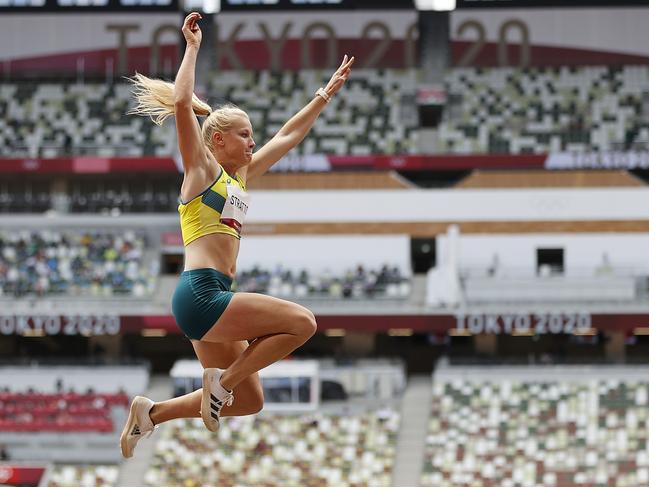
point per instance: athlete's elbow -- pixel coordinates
(182, 103)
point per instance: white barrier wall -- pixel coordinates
(583, 253)
(449, 205)
(416, 205)
(319, 253)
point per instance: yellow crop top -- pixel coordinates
(221, 208)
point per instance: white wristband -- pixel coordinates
(321, 92)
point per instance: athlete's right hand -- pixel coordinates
(191, 30)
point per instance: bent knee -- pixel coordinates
(257, 406)
(308, 325)
(301, 323)
(249, 398)
(256, 402)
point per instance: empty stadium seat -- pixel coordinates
(542, 110)
(307, 450)
(537, 433)
(60, 412)
(497, 110)
(84, 476)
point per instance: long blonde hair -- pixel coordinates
(155, 99)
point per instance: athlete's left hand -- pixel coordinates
(340, 76)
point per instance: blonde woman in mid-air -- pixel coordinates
(234, 335)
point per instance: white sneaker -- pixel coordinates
(215, 396)
(137, 425)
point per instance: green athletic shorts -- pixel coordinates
(200, 299)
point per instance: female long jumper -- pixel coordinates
(234, 335)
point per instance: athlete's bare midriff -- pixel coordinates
(217, 250)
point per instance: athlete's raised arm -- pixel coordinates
(293, 131)
(160, 100)
(190, 141)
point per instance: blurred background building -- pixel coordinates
(468, 220)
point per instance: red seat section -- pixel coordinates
(68, 412)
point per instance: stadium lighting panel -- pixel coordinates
(436, 5)
(211, 6)
(207, 6)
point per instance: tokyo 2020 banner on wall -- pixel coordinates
(113, 44)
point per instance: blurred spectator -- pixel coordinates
(358, 283)
(605, 268)
(493, 268)
(48, 262)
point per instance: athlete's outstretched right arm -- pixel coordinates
(190, 140)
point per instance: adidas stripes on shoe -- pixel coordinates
(215, 396)
(137, 425)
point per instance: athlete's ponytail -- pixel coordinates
(155, 99)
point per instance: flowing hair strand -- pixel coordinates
(155, 99)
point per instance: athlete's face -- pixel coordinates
(238, 142)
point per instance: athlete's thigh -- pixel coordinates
(250, 315)
(218, 355)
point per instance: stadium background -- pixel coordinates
(468, 221)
